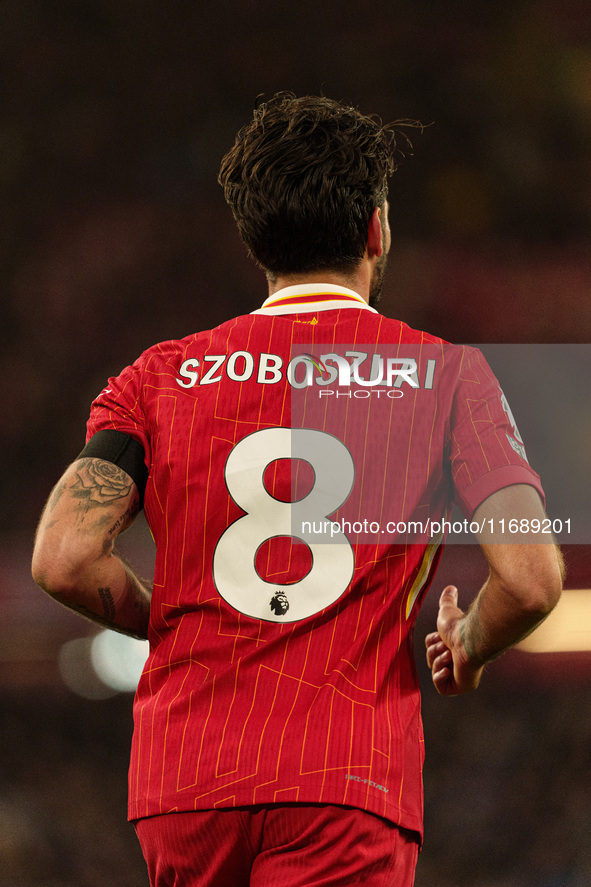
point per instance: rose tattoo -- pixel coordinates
(101, 482)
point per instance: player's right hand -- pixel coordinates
(452, 672)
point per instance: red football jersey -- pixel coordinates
(301, 461)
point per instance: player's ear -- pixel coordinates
(375, 243)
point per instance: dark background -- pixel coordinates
(114, 235)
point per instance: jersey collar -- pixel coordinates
(306, 298)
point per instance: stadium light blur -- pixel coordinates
(118, 660)
(101, 666)
(568, 627)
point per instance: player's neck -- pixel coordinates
(358, 281)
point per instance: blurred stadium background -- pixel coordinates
(114, 235)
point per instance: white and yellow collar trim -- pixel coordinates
(306, 298)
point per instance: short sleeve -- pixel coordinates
(486, 449)
(119, 407)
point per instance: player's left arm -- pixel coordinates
(73, 558)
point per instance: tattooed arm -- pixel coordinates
(524, 585)
(73, 559)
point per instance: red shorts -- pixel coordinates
(290, 846)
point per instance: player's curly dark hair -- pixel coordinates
(303, 179)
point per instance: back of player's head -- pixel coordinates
(303, 179)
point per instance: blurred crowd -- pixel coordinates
(507, 789)
(115, 235)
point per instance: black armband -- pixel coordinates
(123, 451)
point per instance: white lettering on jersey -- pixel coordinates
(270, 363)
(187, 371)
(327, 369)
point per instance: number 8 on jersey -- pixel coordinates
(234, 570)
